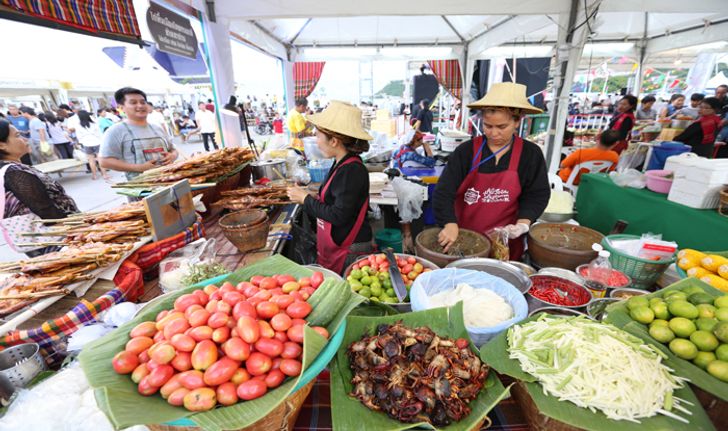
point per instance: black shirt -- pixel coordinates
(347, 192)
(425, 119)
(693, 136)
(624, 129)
(532, 173)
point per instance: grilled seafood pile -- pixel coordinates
(413, 375)
(198, 169)
(253, 197)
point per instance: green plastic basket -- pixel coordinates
(644, 273)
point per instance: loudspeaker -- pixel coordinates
(424, 87)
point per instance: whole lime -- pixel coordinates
(704, 341)
(722, 352)
(366, 280)
(683, 349)
(365, 292)
(660, 322)
(654, 301)
(637, 301)
(376, 290)
(661, 311)
(706, 323)
(700, 298)
(682, 327)
(703, 359)
(720, 330)
(661, 333)
(693, 290)
(642, 314)
(719, 370)
(706, 310)
(684, 309)
(722, 314)
(721, 301)
(356, 273)
(676, 296)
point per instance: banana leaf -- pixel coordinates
(618, 315)
(495, 354)
(117, 395)
(350, 414)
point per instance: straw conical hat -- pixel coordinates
(342, 118)
(506, 95)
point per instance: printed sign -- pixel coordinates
(172, 32)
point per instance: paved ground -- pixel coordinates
(98, 195)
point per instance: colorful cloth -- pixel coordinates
(306, 75)
(148, 256)
(448, 74)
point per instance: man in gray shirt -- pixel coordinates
(133, 145)
(38, 134)
(645, 112)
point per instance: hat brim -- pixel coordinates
(319, 121)
(524, 108)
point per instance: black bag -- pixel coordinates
(302, 249)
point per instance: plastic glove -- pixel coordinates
(516, 230)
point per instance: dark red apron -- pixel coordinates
(710, 125)
(623, 144)
(485, 201)
(331, 255)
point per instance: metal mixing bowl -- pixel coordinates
(21, 363)
(505, 270)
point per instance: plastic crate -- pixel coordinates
(644, 273)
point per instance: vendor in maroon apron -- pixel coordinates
(342, 232)
(701, 134)
(483, 193)
(623, 122)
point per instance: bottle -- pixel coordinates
(597, 273)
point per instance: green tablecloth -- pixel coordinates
(600, 203)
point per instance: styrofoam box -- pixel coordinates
(699, 169)
(695, 194)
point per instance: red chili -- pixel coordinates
(610, 277)
(547, 289)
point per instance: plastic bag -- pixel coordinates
(433, 282)
(409, 197)
(499, 243)
(629, 178)
(179, 264)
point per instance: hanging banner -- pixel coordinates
(172, 32)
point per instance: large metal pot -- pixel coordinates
(273, 169)
(468, 244)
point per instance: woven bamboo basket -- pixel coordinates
(281, 418)
(246, 229)
(536, 420)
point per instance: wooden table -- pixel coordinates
(57, 166)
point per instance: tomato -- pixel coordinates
(248, 329)
(172, 385)
(200, 333)
(183, 343)
(184, 301)
(224, 307)
(266, 331)
(144, 357)
(295, 322)
(144, 329)
(305, 296)
(159, 337)
(192, 379)
(200, 399)
(145, 388)
(168, 318)
(232, 298)
(227, 394)
(321, 330)
(276, 363)
(297, 296)
(274, 378)
(139, 372)
(304, 281)
(204, 355)
(191, 309)
(243, 285)
(202, 296)
(258, 364)
(266, 309)
(462, 343)
(199, 317)
(307, 291)
(217, 320)
(252, 389)
(291, 367)
(211, 306)
(269, 346)
(281, 336)
(236, 349)
(251, 290)
(215, 296)
(182, 362)
(220, 335)
(244, 308)
(125, 362)
(290, 286)
(210, 289)
(161, 315)
(227, 287)
(138, 344)
(299, 309)
(411, 260)
(176, 398)
(263, 295)
(316, 279)
(282, 301)
(268, 283)
(221, 371)
(160, 375)
(291, 350)
(176, 326)
(284, 278)
(162, 353)
(256, 279)
(295, 333)
(151, 364)
(240, 376)
(407, 269)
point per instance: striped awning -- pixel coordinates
(306, 75)
(448, 75)
(106, 18)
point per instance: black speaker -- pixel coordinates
(424, 87)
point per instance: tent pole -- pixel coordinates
(640, 75)
(467, 73)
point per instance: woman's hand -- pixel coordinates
(297, 194)
(448, 235)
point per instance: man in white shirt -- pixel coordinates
(156, 117)
(206, 122)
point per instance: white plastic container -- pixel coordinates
(450, 139)
(696, 169)
(695, 194)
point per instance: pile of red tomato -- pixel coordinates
(222, 345)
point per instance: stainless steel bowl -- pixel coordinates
(534, 303)
(21, 363)
(562, 273)
(505, 270)
(273, 169)
(326, 272)
(528, 269)
(556, 311)
(581, 268)
(557, 217)
(598, 307)
(626, 293)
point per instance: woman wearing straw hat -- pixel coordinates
(342, 232)
(496, 180)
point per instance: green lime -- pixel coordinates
(660, 311)
(365, 269)
(357, 274)
(682, 327)
(355, 285)
(660, 322)
(374, 284)
(721, 301)
(376, 290)
(684, 309)
(375, 299)
(700, 298)
(695, 289)
(637, 301)
(385, 298)
(722, 352)
(683, 349)
(719, 370)
(722, 314)
(661, 333)
(703, 359)
(642, 314)
(390, 292)
(704, 341)
(387, 284)
(654, 301)
(720, 330)
(366, 280)
(706, 310)
(365, 292)
(669, 293)
(383, 276)
(706, 323)
(675, 295)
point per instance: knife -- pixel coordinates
(395, 276)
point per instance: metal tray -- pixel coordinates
(497, 268)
